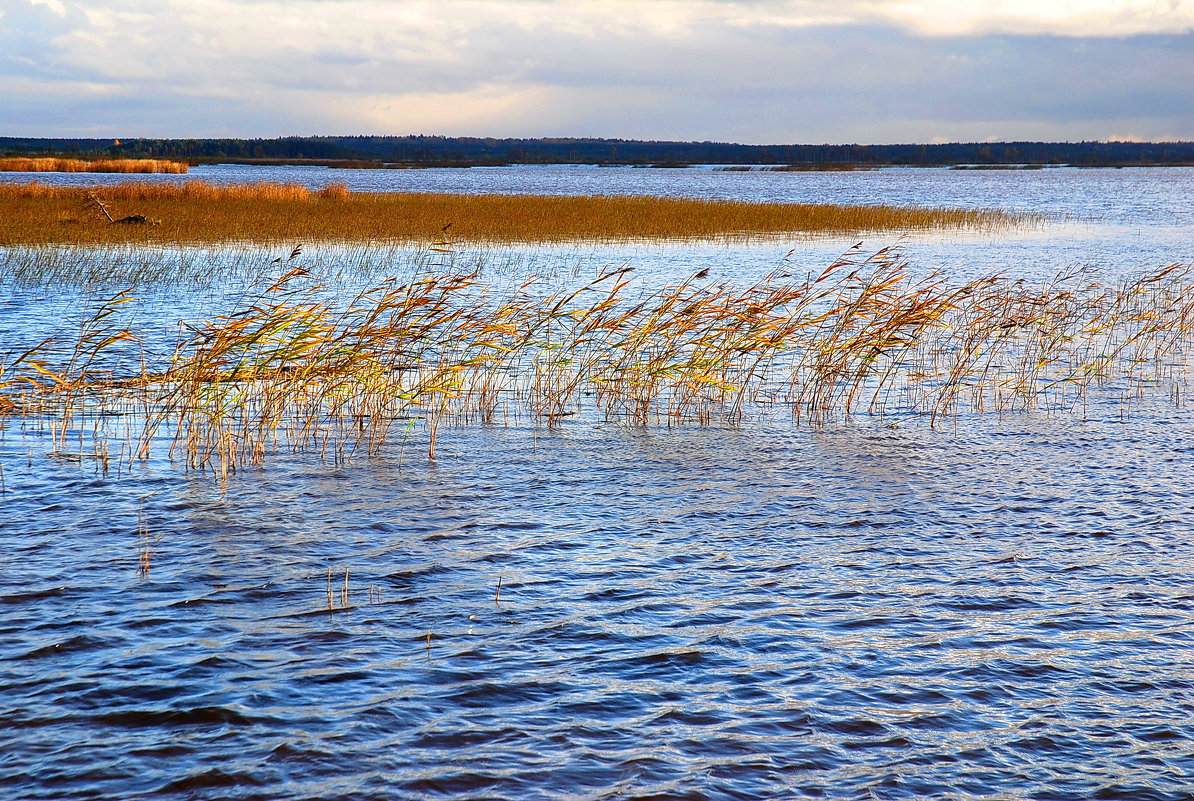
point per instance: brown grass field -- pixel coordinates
(196, 212)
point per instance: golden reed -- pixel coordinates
(102, 165)
(298, 368)
(196, 212)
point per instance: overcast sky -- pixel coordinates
(753, 71)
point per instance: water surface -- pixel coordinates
(998, 608)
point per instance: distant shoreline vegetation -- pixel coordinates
(441, 151)
(104, 165)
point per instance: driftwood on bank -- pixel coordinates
(93, 202)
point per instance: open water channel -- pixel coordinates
(1000, 608)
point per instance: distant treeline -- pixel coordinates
(361, 151)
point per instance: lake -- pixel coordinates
(1000, 607)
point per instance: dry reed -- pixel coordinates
(19, 164)
(195, 212)
(293, 369)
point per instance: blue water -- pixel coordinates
(999, 608)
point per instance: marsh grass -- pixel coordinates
(61, 267)
(101, 165)
(196, 212)
(291, 368)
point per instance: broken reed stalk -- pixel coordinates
(144, 544)
(293, 369)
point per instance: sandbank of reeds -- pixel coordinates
(293, 369)
(21, 164)
(196, 212)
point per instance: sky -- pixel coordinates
(751, 71)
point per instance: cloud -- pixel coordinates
(1085, 18)
(761, 70)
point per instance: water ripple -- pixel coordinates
(1001, 610)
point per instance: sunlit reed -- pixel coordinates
(195, 212)
(21, 164)
(292, 369)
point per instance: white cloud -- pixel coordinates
(54, 5)
(755, 70)
(1055, 17)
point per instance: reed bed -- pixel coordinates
(19, 164)
(67, 267)
(196, 212)
(291, 369)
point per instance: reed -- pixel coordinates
(102, 165)
(292, 368)
(195, 212)
(145, 543)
